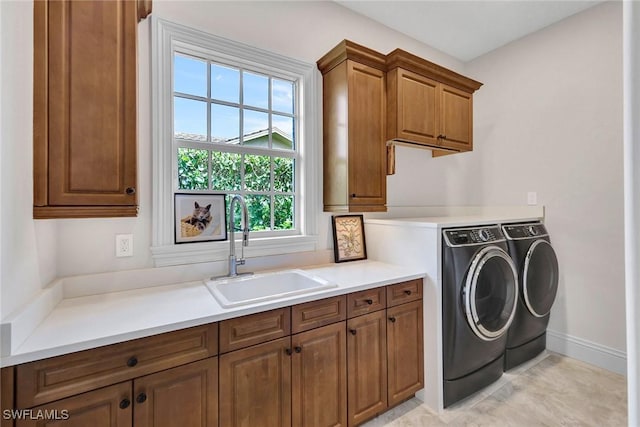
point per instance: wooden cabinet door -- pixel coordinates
(367, 366)
(456, 118)
(367, 135)
(319, 377)
(405, 351)
(85, 108)
(186, 396)
(106, 407)
(415, 108)
(255, 385)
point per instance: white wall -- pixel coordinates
(549, 119)
(27, 247)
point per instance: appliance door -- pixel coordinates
(490, 293)
(540, 278)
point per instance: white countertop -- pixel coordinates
(86, 322)
(454, 220)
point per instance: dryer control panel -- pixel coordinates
(473, 236)
(524, 231)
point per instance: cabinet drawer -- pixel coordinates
(404, 292)
(51, 379)
(254, 329)
(318, 313)
(364, 302)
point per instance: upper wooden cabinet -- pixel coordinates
(429, 105)
(85, 125)
(354, 119)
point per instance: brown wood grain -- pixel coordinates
(58, 377)
(400, 293)
(182, 396)
(7, 393)
(245, 331)
(456, 118)
(319, 377)
(255, 386)
(367, 366)
(358, 302)
(405, 351)
(318, 313)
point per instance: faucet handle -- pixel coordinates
(240, 261)
(245, 237)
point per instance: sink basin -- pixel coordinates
(243, 290)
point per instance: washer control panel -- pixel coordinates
(524, 231)
(473, 236)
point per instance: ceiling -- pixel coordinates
(467, 29)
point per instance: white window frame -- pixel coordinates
(169, 37)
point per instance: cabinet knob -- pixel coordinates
(353, 195)
(142, 397)
(353, 331)
(288, 351)
(133, 361)
(392, 319)
(369, 301)
(297, 349)
(130, 191)
(124, 403)
(407, 292)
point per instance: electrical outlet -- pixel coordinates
(124, 245)
(532, 198)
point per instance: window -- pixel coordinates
(234, 132)
(232, 119)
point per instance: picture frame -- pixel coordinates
(200, 217)
(348, 238)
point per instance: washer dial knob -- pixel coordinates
(532, 230)
(483, 234)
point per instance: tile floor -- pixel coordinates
(551, 390)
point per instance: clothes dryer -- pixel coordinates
(537, 265)
(479, 298)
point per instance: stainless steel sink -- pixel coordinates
(244, 290)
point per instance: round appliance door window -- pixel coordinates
(491, 293)
(540, 278)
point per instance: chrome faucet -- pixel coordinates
(233, 262)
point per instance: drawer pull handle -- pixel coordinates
(407, 292)
(133, 361)
(142, 397)
(369, 301)
(392, 319)
(124, 403)
(297, 349)
(288, 351)
(130, 191)
(353, 331)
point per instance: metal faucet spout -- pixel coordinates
(233, 261)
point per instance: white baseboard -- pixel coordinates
(587, 351)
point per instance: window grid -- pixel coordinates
(212, 146)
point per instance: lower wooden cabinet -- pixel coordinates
(367, 366)
(348, 359)
(106, 407)
(255, 385)
(185, 396)
(319, 377)
(405, 352)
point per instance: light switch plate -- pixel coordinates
(532, 198)
(124, 245)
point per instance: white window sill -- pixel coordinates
(219, 251)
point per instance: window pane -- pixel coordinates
(190, 75)
(225, 83)
(283, 212)
(256, 126)
(282, 96)
(259, 212)
(255, 90)
(225, 171)
(283, 174)
(193, 169)
(282, 130)
(257, 173)
(189, 119)
(225, 123)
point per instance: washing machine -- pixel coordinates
(479, 299)
(530, 248)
